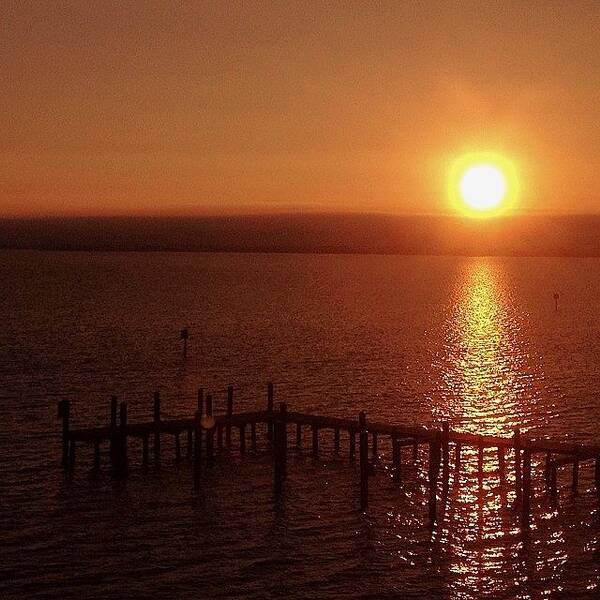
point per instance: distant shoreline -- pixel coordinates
(522, 236)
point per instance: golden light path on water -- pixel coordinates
(488, 378)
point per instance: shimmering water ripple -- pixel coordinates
(410, 339)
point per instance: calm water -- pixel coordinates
(409, 339)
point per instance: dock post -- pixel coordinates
(283, 438)
(526, 494)
(446, 443)
(122, 462)
(229, 413)
(336, 441)
(480, 463)
(397, 458)
(64, 413)
(270, 411)
(114, 441)
(210, 435)
(298, 435)
(518, 475)
(434, 468)
(364, 460)
(280, 449)
(157, 429)
(253, 436)
(352, 449)
(501, 462)
(197, 449)
(315, 440)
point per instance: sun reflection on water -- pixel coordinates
(485, 373)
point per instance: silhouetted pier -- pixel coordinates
(206, 435)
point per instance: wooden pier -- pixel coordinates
(207, 434)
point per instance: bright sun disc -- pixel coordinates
(483, 187)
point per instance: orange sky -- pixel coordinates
(205, 107)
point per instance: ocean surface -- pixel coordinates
(477, 341)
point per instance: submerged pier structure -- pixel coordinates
(206, 435)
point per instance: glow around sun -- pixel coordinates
(483, 185)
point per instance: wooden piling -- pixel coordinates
(364, 460)
(547, 469)
(501, 463)
(434, 468)
(197, 449)
(526, 493)
(445, 443)
(209, 434)
(352, 448)
(315, 441)
(64, 413)
(457, 451)
(298, 435)
(480, 462)
(518, 474)
(156, 429)
(280, 449)
(253, 436)
(270, 411)
(229, 414)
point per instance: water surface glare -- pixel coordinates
(409, 339)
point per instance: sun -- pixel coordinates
(483, 185)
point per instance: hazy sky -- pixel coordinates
(204, 107)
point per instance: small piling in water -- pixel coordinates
(229, 413)
(518, 478)
(197, 448)
(113, 431)
(364, 460)
(280, 449)
(210, 434)
(122, 460)
(434, 467)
